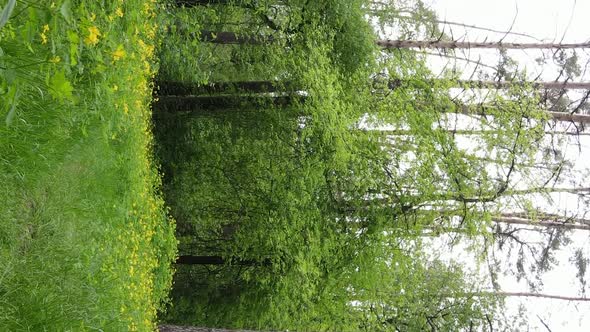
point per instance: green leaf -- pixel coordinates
(74, 44)
(66, 10)
(6, 12)
(60, 87)
(12, 94)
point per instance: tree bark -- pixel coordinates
(557, 116)
(172, 88)
(480, 84)
(545, 296)
(544, 223)
(386, 43)
(218, 260)
(469, 132)
(181, 88)
(226, 37)
(220, 103)
(200, 260)
(536, 85)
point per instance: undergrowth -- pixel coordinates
(85, 240)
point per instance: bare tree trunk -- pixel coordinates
(528, 222)
(479, 84)
(473, 132)
(386, 43)
(557, 116)
(533, 84)
(536, 85)
(545, 296)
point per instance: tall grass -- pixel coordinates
(85, 241)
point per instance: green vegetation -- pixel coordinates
(298, 174)
(291, 204)
(85, 241)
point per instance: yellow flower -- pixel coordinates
(119, 53)
(119, 12)
(55, 59)
(43, 34)
(93, 35)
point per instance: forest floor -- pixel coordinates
(85, 240)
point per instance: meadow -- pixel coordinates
(85, 240)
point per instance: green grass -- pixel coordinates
(85, 241)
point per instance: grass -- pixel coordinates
(85, 240)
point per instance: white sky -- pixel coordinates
(550, 21)
(545, 19)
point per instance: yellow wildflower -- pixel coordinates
(93, 35)
(43, 34)
(119, 12)
(55, 59)
(119, 53)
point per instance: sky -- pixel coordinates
(549, 21)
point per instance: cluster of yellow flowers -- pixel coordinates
(92, 36)
(145, 214)
(44, 34)
(134, 261)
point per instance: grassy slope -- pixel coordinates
(85, 242)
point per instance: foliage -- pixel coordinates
(85, 240)
(297, 199)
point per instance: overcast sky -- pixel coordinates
(550, 21)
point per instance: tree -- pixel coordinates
(440, 44)
(330, 218)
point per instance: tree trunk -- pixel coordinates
(171, 88)
(557, 116)
(181, 88)
(469, 132)
(533, 84)
(529, 222)
(218, 260)
(386, 43)
(226, 37)
(200, 260)
(220, 103)
(545, 296)
(479, 84)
